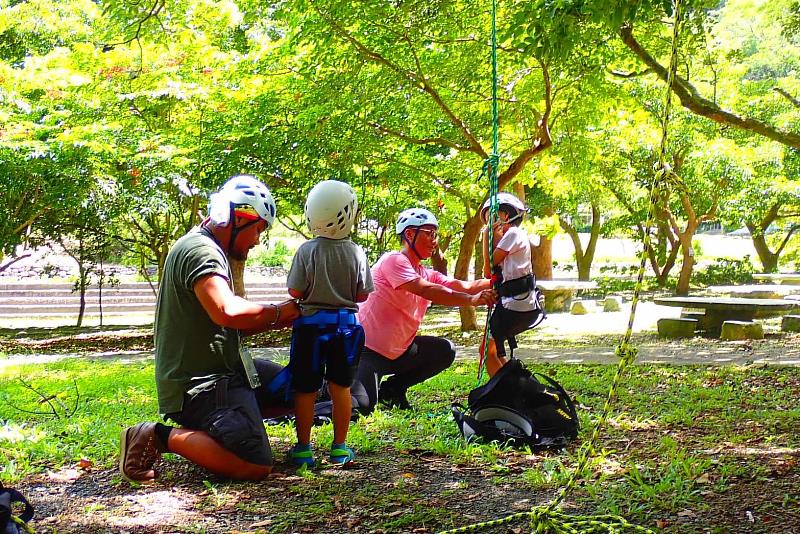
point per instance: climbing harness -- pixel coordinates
(342, 324)
(546, 518)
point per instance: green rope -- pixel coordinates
(545, 518)
(490, 166)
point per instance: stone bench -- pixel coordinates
(790, 323)
(740, 330)
(673, 328)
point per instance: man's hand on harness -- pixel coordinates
(286, 312)
(486, 297)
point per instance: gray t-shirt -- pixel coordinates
(329, 273)
(184, 332)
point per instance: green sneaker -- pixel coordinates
(301, 455)
(342, 454)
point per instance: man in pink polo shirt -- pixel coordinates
(391, 316)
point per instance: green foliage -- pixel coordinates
(725, 271)
(277, 255)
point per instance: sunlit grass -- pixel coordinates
(654, 457)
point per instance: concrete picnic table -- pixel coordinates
(721, 309)
(758, 291)
(779, 278)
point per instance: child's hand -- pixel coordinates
(498, 231)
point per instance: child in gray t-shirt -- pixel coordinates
(330, 275)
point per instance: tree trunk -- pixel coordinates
(237, 269)
(82, 276)
(472, 229)
(768, 259)
(542, 259)
(477, 265)
(584, 258)
(687, 267)
(542, 256)
(438, 261)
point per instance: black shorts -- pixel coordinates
(332, 361)
(230, 412)
(506, 323)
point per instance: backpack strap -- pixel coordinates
(7, 498)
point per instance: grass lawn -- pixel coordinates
(689, 449)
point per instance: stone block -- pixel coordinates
(581, 307)
(557, 300)
(790, 323)
(612, 303)
(699, 316)
(738, 330)
(676, 328)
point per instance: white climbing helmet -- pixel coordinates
(504, 199)
(331, 209)
(413, 218)
(244, 195)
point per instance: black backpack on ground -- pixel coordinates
(9, 522)
(515, 407)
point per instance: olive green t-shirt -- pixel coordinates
(184, 333)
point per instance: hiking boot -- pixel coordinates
(341, 454)
(301, 455)
(139, 450)
(393, 398)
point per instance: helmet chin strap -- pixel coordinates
(236, 229)
(412, 243)
(519, 215)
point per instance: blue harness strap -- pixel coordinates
(332, 324)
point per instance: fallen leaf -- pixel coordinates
(260, 524)
(84, 464)
(703, 479)
(661, 523)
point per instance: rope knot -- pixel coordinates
(626, 352)
(492, 162)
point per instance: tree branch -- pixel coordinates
(12, 261)
(621, 74)
(419, 141)
(692, 100)
(415, 78)
(541, 142)
(436, 178)
(155, 9)
(788, 236)
(795, 102)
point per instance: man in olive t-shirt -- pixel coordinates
(205, 382)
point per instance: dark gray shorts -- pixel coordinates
(230, 412)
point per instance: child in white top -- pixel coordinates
(510, 261)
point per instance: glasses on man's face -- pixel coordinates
(432, 234)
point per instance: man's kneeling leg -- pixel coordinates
(229, 422)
